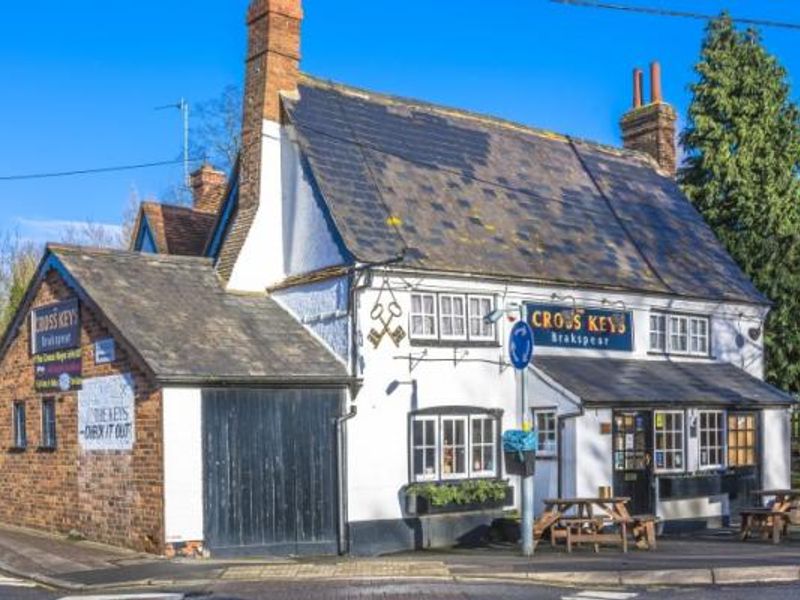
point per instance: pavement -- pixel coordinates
(710, 558)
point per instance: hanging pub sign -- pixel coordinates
(55, 327)
(582, 328)
(59, 371)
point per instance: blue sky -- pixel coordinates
(81, 79)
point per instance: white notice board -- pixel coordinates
(106, 413)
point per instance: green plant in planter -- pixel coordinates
(476, 491)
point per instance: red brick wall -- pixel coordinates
(113, 497)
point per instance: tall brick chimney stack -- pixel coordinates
(273, 66)
(208, 188)
(650, 128)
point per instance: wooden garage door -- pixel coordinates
(270, 471)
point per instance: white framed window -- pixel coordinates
(711, 431)
(669, 432)
(678, 334)
(479, 307)
(546, 433)
(48, 439)
(423, 316)
(424, 448)
(454, 446)
(698, 336)
(658, 332)
(18, 426)
(483, 444)
(453, 317)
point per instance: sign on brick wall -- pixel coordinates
(55, 327)
(106, 414)
(58, 371)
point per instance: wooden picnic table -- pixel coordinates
(770, 521)
(584, 519)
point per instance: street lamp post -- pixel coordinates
(521, 353)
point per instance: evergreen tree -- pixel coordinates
(742, 146)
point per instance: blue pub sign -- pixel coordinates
(55, 327)
(580, 328)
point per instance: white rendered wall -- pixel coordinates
(776, 443)
(261, 262)
(322, 308)
(709, 507)
(378, 452)
(183, 465)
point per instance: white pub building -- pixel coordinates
(390, 227)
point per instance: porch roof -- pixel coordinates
(613, 382)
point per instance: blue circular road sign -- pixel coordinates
(520, 345)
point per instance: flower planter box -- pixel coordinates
(419, 505)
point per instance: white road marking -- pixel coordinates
(13, 582)
(600, 595)
(128, 597)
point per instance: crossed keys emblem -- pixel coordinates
(385, 315)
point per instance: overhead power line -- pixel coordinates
(92, 171)
(663, 12)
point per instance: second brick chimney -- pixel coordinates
(208, 188)
(273, 67)
(650, 128)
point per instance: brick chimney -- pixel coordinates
(273, 66)
(650, 128)
(208, 188)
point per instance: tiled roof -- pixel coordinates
(175, 314)
(455, 192)
(178, 230)
(603, 381)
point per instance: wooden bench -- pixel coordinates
(587, 530)
(766, 521)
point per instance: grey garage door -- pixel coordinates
(270, 471)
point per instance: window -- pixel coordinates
(712, 439)
(48, 423)
(448, 446)
(452, 316)
(741, 440)
(479, 307)
(424, 449)
(423, 316)
(680, 334)
(669, 434)
(20, 436)
(484, 446)
(546, 441)
(698, 341)
(454, 447)
(658, 333)
(630, 441)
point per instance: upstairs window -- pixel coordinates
(423, 316)
(18, 426)
(451, 317)
(48, 424)
(679, 334)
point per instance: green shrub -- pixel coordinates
(476, 491)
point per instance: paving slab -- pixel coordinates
(726, 576)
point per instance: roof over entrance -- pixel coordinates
(451, 191)
(611, 382)
(175, 314)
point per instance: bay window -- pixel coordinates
(448, 445)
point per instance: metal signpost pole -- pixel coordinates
(528, 544)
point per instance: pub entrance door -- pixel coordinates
(633, 459)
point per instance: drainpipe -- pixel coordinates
(342, 466)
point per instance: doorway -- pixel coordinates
(633, 464)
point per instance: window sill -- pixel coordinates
(46, 449)
(17, 449)
(680, 355)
